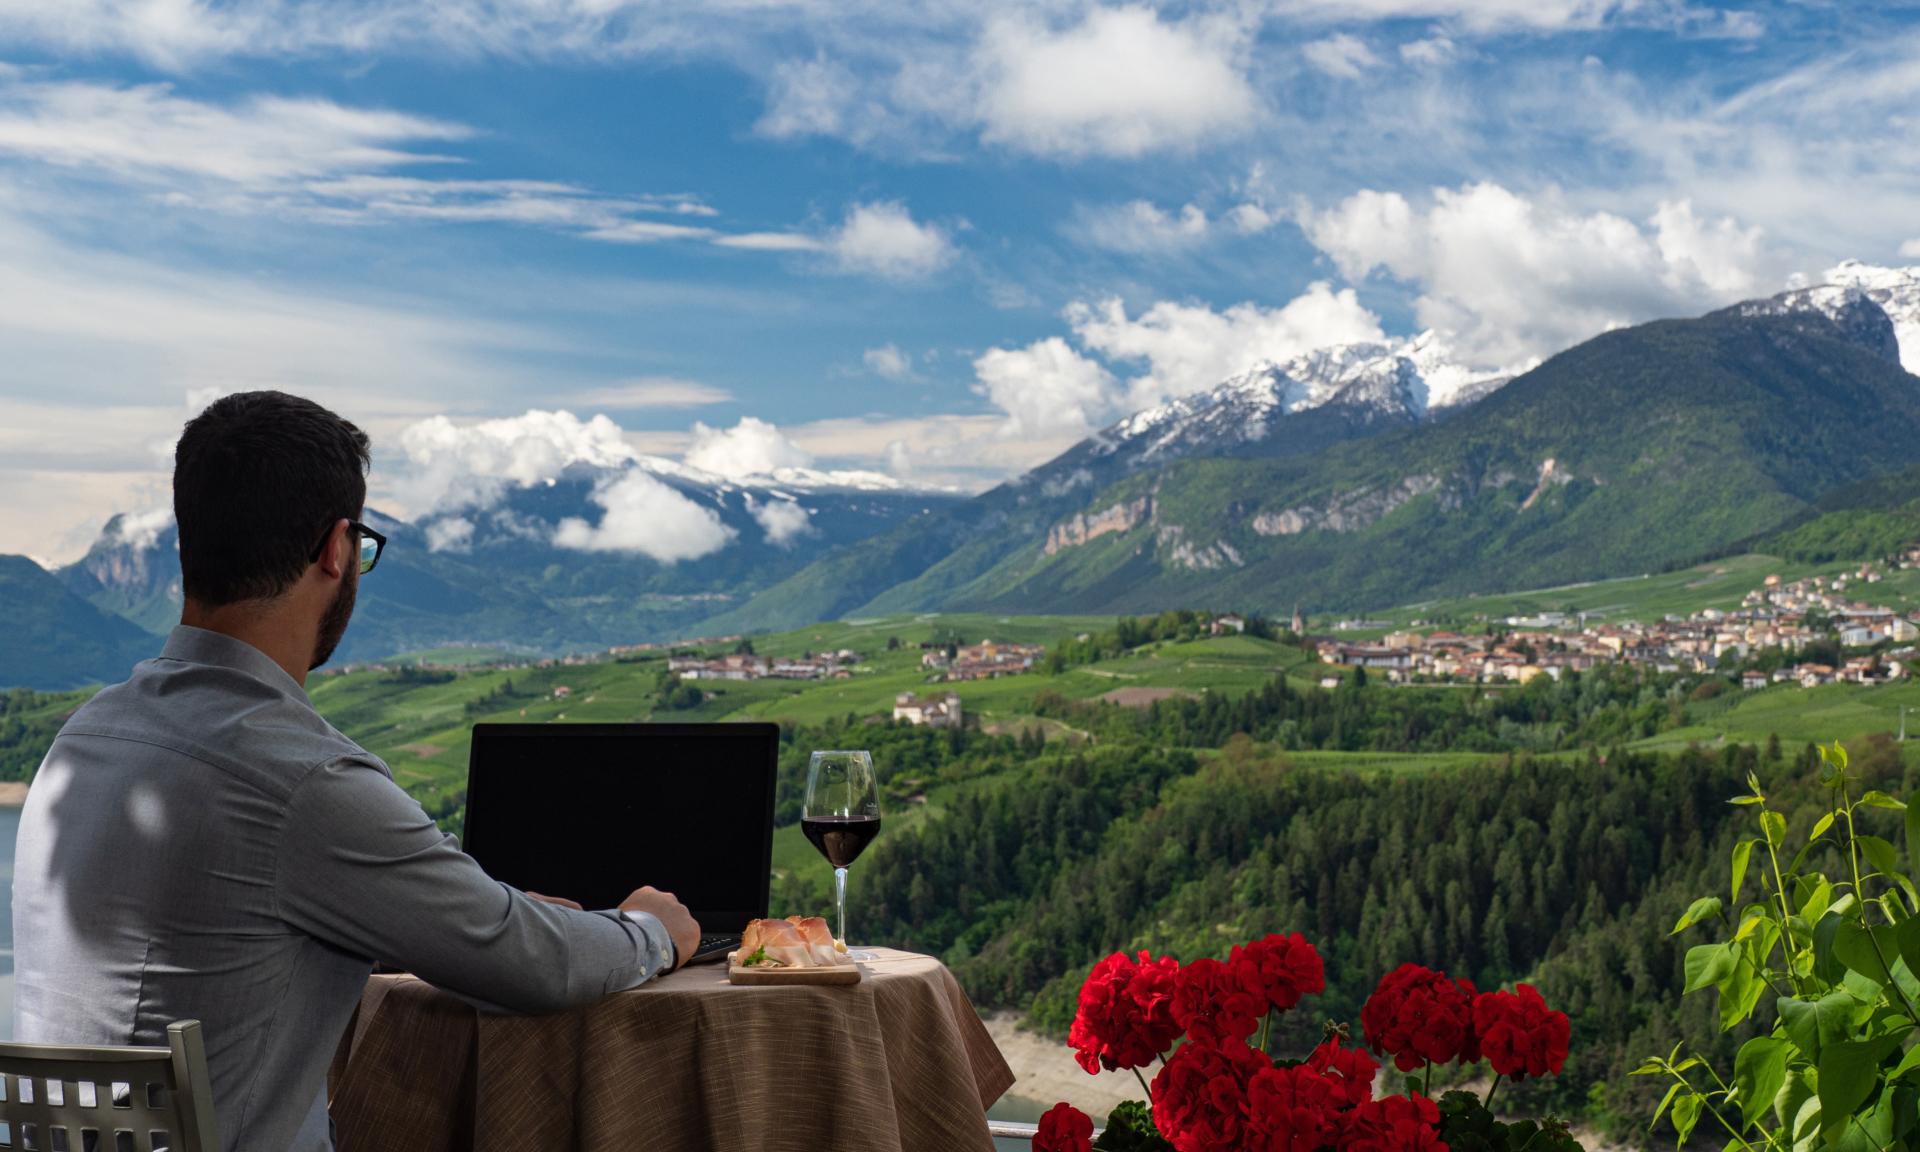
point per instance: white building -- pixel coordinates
(941, 713)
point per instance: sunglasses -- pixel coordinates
(372, 544)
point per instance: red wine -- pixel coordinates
(841, 839)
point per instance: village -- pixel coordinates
(1782, 619)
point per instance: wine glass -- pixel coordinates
(841, 815)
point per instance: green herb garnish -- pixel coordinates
(759, 957)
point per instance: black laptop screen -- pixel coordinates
(593, 811)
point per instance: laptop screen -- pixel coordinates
(593, 811)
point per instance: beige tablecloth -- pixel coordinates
(897, 1063)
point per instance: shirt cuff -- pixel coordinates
(658, 954)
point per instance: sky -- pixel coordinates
(938, 241)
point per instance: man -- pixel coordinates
(200, 844)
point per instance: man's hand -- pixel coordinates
(664, 907)
(562, 901)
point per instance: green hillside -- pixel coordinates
(55, 639)
(1159, 787)
(1639, 450)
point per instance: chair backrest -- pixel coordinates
(56, 1098)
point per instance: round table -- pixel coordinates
(896, 1063)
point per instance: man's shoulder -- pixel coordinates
(220, 717)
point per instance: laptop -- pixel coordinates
(592, 811)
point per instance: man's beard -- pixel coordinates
(334, 624)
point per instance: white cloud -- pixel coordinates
(1190, 347)
(1122, 82)
(752, 447)
(1718, 255)
(1477, 15)
(653, 392)
(876, 239)
(883, 239)
(148, 131)
(1511, 278)
(784, 521)
(1342, 54)
(771, 242)
(1911, 249)
(888, 361)
(646, 516)
(312, 158)
(1045, 389)
(1252, 219)
(1141, 226)
(450, 534)
(808, 98)
(448, 466)
(139, 530)
(1431, 51)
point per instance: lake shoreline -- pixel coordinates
(13, 793)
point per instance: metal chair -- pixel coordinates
(59, 1098)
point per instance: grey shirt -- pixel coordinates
(200, 844)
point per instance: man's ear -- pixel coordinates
(332, 552)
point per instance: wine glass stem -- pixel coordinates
(840, 899)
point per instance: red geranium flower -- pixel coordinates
(1419, 1015)
(1283, 968)
(1064, 1129)
(1350, 1070)
(1217, 1003)
(1394, 1124)
(1200, 1097)
(1294, 1109)
(1521, 1036)
(1125, 1018)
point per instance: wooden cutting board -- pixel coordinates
(759, 975)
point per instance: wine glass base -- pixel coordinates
(861, 955)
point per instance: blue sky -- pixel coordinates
(940, 241)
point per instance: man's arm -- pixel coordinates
(362, 867)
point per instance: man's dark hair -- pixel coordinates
(258, 479)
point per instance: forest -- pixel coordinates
(1568, 873)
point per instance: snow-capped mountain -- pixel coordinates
(1863, 320)
(1354, 389)
(1897, 291)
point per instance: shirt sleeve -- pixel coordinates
(362, 867)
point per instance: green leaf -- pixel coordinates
(1849, 1076)
(1820, 827)
(1909, 1064)
(1773, 826)
(1686, 1113)
(1744, 800)
(1758, 1073)
(1739, 992)
(1855, 947)
(1664, 1101)
(1878, 799)
(1906, 938)
(1708, 964)
(1913, 838)
(1796, 1091)
(1700, 909)
(1741, 851)
(1812, 1024)
(1827, 966)
(1884, 858)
